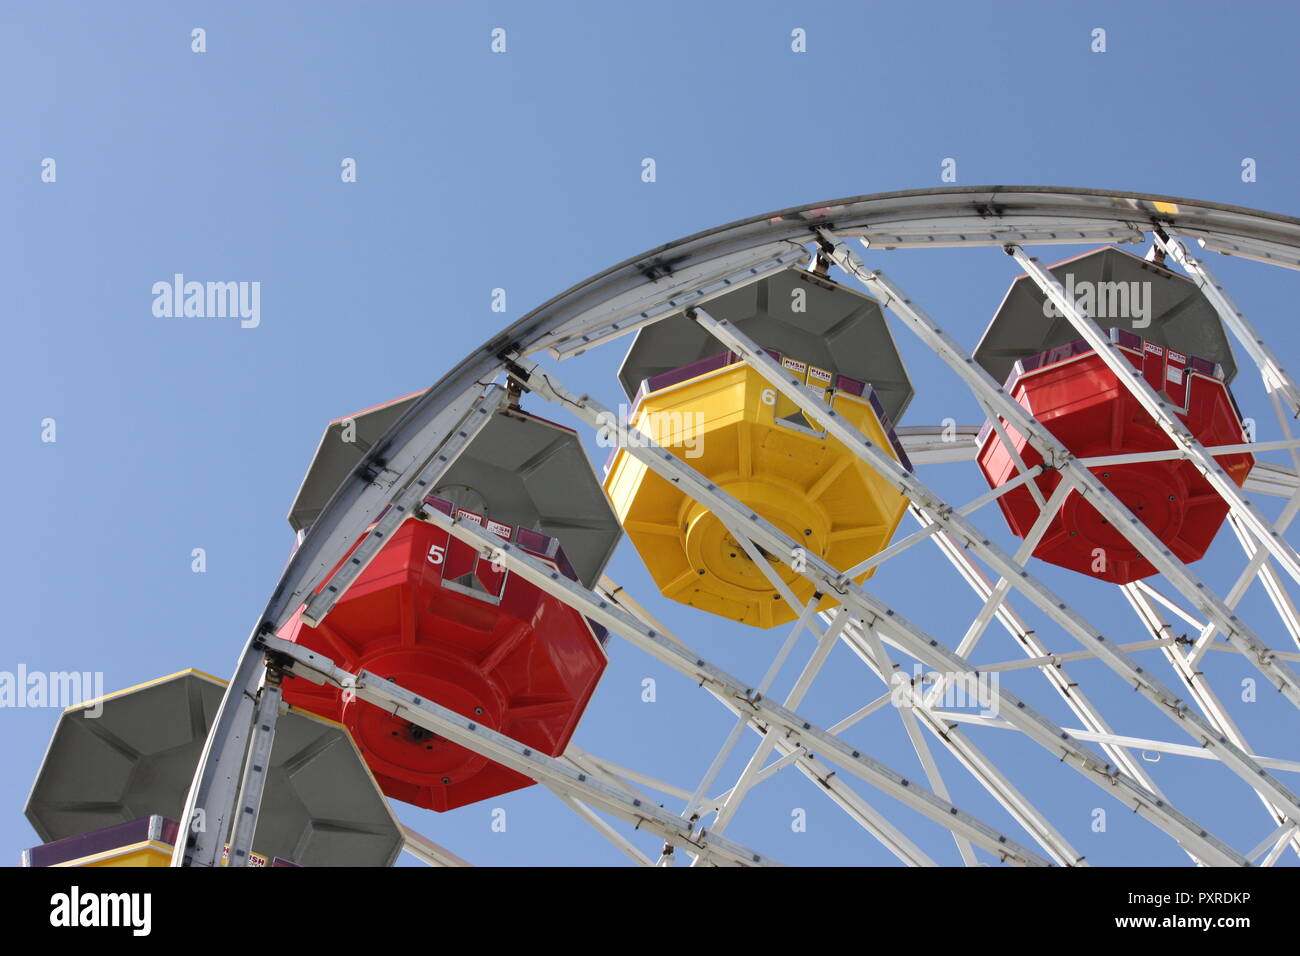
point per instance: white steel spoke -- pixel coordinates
(908, 636)
(746, 780)
(885, 668)
(1119, 740)
(555, 773)
(619, 775)
(1216, 451)
(1161, 411)
(626, 847)
(847, 799)
(999, 593)
(1205, 640)
(828, 781)
(866, 644)
(1273, 586)
(939, 444)
(428, 852)
(924, 498)
(1021, 468)
(1050, 665)
(671, 652)
(1066, 657)
(1275, 842)
(1055, 455)
(1275, 376)
(880, 557)
(690, 813)
(1194, 681)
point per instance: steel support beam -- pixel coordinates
(886, 466)
(1057, 456)
(1161, 411)
(797, 730)
(1276, 378)
(371, 487)
(828, 781)
(907, 636)
(428, 852)
(256, 766)
(553, 772)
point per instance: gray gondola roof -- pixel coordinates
(530, 473)
(1181, 317)
(841, 330)
(137, 758)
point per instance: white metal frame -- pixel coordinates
(684, 277)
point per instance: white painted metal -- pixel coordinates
(548, 770)
(403, 504)
(1011, 569)
(675, 655)
(826, 779)
(1067, 689)
(1206, 699)
(691, 272)
(1055, 455)
(668, 294)
(1161, 411)
(938, 444)
(1276, 378)
(428, 852)
(907, 636)
(256, 765)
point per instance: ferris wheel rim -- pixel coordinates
(795, 228)
(798, 224)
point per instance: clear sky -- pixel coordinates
(522, 170)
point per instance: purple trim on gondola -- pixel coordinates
(887, 425)
(546, 546)
(542, 545)
(699, 367)
(158, 828)
(851, 385)
(712, 363)
(440, 504)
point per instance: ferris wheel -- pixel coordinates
(449, 600)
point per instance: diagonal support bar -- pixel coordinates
(796, 729)
(1056, 455)
(256, 765)
(908, 636)
(885, 465)
(1276, 378)
(371, 486)
(1161, 411)
(408, 499)
(551, 771)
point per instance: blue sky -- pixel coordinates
(522, 171)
